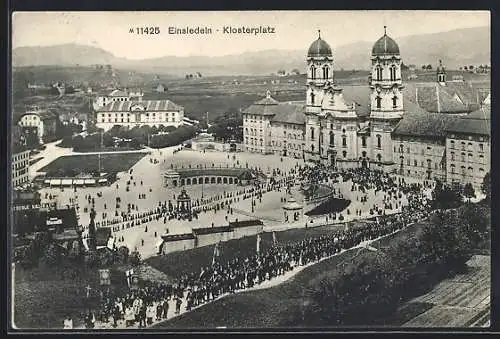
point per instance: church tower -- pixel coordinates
(319, 74)
(441, 74)
(386, 97)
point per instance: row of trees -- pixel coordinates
(228, 126)
(181, 134)
(374, 285)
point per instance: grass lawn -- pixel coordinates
(43, 297)
(89, 163)
(178, 263)
(332, 205)
(278, 307)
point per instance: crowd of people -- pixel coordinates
(143, 306)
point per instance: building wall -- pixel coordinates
(468, 159)
(20, 168)
(106, 120)
(420, 158)
(213, 238)
(286, 136)
(179, 245)
(240, 232)
(32, 120)
(256, 130)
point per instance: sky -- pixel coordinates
(292, 29)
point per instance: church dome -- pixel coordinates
(385, 46)
(319, 48)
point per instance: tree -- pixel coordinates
(445, 197)
(135, 258)
(469, 191)
(486, 186)
(123, 253)
(471, 67)
(295, 71)
(429, 66)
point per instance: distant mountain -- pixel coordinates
(469, 46)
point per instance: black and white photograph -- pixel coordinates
(225, 170)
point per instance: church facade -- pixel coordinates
(369, 126)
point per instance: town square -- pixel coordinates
(205, 197)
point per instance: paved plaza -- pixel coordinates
(145, 178)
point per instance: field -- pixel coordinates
(83, 163)
(278, 307)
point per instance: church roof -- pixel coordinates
(319, 48)
(423, 124)
(385, 46)
(435, 98)
(148, 105)
(477, 122)
(360, 95)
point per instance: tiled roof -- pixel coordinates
(118, 93)
(178, 237)
(245, 223)
(186, 173)
(360, 95)
(426, 95)
(149, 105)
(210, 230)
(478, 122)
(68, 217)
(433, 125)
(290, 113)
(266, 106)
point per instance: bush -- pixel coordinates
(175, 137)
(135, 258)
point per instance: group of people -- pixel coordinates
(151, 303)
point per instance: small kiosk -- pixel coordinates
(292, 211)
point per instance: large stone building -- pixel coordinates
(139, 113)
(375, 126)
(43, 122)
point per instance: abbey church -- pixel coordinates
(381, 125)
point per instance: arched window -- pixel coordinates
(401, 148)
(312, 148)
(463, 156)
(379, 158)
(312, 98)
(313, 72)
(379, 141)
(326, 72)
(393, 72)
(394, 102)
(378, 73)
(452, 168)
(344, 154)
(429, 164)
(261, 142)
(378, 101)
(463, 170)
(344, 141)
(312, 133)
(332, 139)
(363, 154)
(363, 141)
(452, 156)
